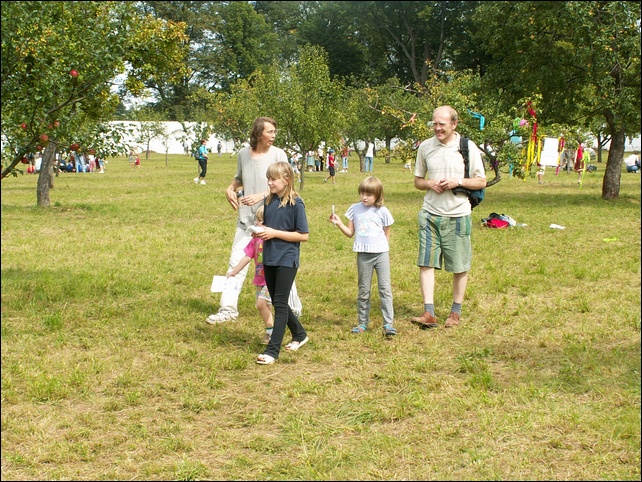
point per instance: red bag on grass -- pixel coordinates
(496, 223)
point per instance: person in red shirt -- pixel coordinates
(332, 163)
(579, 165)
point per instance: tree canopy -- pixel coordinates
(583, 58)
(328, 71)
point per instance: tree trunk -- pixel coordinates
(304, 169)
(494, 164)
(611, 181)
(359, 154)
(388, 142)
(45, 178)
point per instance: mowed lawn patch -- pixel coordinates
(109, 371)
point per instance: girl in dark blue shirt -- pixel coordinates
(286, 227)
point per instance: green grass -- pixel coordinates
(109, 370)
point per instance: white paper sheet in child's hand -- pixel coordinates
(220, 283)
(255, 229)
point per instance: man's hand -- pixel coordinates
(447, 184)
(437, 186)
(431, 184)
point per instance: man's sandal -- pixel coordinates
(295, 345)
(358, 329)
(264, 359)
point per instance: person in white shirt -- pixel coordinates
(633, 163)
(252, 165)
(445, 223)
(369, 157)
(369, 223)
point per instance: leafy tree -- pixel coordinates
(192, 133)
(286, 19)
(371, 42)
(243, 43)
(583, 58)
(166, 138)
(57, 77)
(227, 41)
(394, 104)
(303, 99)
(107, 139)
(232, 114)
(333, 27)
(171, 95)
(409, 40)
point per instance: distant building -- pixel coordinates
(630, 145)
(176, 139)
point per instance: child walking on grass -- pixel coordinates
(369, 223)
(331, 166)
(285, 228)
(254, 251)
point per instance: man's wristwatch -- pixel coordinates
(459, 181)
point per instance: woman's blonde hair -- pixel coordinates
(282, 170)
(372, 185)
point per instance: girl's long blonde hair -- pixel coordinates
(282, 170)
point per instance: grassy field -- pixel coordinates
(109, 371)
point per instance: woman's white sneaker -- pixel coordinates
(220, 317)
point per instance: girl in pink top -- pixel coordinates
(254, 251)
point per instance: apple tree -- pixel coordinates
(60, 61)
(583, 58)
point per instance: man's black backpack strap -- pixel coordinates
(475, 197)
(463, 149)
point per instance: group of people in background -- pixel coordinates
(69, 162)
(272, 224)
(321, 160)
(134, 159)
(317, 162)
(576, 160)
(81, 162)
